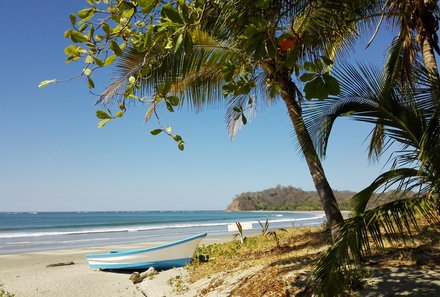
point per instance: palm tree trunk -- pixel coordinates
(429, 57)
(328, 200)
(427, 30)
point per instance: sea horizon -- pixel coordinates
(39, 231)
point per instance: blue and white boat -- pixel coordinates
(175, 254)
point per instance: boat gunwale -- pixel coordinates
(140, 251)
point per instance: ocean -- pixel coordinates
(38, 231)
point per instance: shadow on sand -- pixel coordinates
(402, 281)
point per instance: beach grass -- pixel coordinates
(286, 266)
(296, 250)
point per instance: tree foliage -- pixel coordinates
(407, 118)
(209, 51)
(197, 53)
(292, 198)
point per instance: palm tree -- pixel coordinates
(416, 22)
(403, 116)
(418, 25)
(251, 52)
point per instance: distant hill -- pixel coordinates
(288, 198)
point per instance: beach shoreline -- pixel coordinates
(27, 274)
(31, 274)
(29, 232)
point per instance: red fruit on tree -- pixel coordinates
(284, 44)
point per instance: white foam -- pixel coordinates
(142, 228)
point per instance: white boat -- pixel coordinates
(174, 254)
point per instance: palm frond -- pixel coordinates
(195, 76)
(390, 222)
(360, 200)
(240, 111)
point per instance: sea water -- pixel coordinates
(37, 231)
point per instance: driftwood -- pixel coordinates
(137, 277)
(60, 264)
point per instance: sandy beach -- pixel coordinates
(409, 272)
(27, 274)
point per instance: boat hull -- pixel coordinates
(175, 254)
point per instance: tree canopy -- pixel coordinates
(170, 54)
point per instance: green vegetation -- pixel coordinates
(245, 54)
(241, 54)
(408, 117)
(257, 250)
(240, 233)
(178, 285)
(291, 198)
(285, 198)
(272, 233)
(286, 269)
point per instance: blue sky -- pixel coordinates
(54, 158)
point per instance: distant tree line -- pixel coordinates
(293, 198)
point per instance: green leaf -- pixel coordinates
(177, 137)
(243, 119)
(107, 29)
(103, 123)
(72, 19)
(109, 60)
(297, 69)
(132, 79)
(188, 43)
(292, 57)
(100, 114)
(85, 13)
(116, 30)
(98, 61)
(123, 5)
(178, 44)
(168, 129)
(46, 82)
(184, 12)
(147, 5)
(327, 61)
(171, 13)
(263, 4)
(251, 31)
(170, 43)
(308, 76)
(156, 131)
(164, 88)
(181, 145)
(90, 83)
(115, 48)
(316, 89)
(87, 71)
(89, 60)
(236, 109)
(169, 106)
(83, 27)
(128, 14)
(174, 101)
(119, 114)
(77, 37)
(332, 84)
(311, 67)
